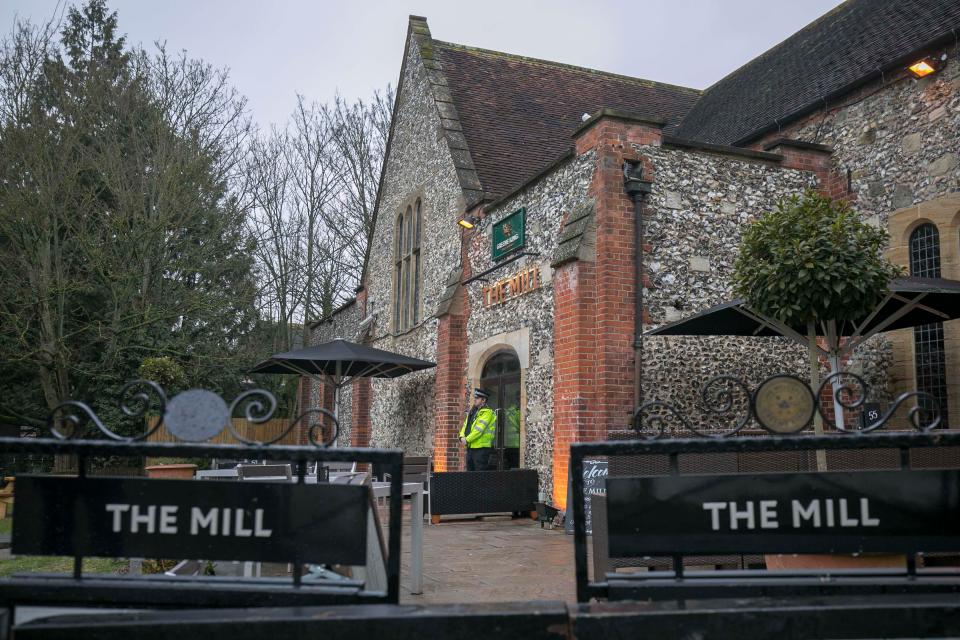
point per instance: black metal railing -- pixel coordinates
(779, 418)
(194, 417)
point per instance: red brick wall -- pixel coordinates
(575, 404)
(362, 395)
(450, 387)
(595, 305)
(832, 181)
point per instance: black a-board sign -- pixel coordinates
(849, 512)
(594, 476)
(209, 520)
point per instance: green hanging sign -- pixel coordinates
(508, 234)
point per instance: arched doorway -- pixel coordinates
(501, 377)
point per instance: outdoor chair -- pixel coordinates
(340, 467)
(417, 469)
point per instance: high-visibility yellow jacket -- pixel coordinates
(511, 428)
(482, 432)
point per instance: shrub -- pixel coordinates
(812, 258)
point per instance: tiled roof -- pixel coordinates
(857, 38)
(518, 114)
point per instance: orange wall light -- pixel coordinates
(923, 68)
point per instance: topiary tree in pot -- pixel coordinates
(815, 266)
(813, 260)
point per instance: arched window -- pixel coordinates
(929, 352)
(406, 279)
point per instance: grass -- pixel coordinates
(58, 564)
(6, 526)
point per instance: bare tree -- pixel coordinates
(361, 130)
(277, 234)
(317, 176)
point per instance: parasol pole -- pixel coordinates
(833, 346)
(336, 400)
(814, 386)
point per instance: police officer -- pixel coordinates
(478, 432)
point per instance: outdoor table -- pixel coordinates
(415, 491)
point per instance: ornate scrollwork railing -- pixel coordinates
(196, 415)
(783, 405)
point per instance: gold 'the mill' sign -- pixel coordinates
(510, 287)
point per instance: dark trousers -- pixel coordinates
(478, 459)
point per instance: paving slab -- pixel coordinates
(493, 559)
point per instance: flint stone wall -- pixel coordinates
(901, 143)
(546, 202)
(699, 206)
(901, 147)
(419, 164)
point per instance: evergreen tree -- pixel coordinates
(120, 236)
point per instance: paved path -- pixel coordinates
(495, 559)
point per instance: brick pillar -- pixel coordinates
(360, 416)
(616, 274)
(450, 390)
(574, 365)
(360, 429)
(325, 396)
(594, 302)
(304, 402)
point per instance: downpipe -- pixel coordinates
(638, 188)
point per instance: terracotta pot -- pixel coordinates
(172, 471)
(789, 561)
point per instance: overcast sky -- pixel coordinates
(277, 49)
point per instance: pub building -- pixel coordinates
(506, 246)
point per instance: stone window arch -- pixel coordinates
(407, 280)
(928, 340)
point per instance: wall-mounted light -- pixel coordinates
(468, 222)
(923, 68)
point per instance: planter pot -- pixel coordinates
(790, 561)
(172, 471)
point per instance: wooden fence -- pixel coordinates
(263, 432)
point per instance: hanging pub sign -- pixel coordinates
(122, 517)
(845, 512)
(508, 233)
(512, 286)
